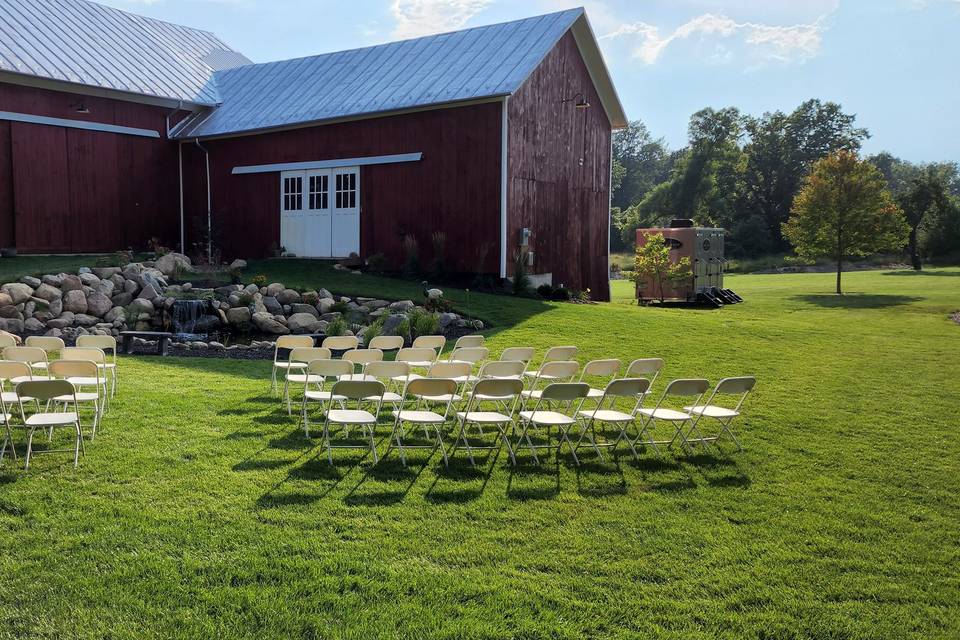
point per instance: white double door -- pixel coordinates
(320, 212)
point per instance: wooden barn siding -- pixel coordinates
(76, 191)
(455, 188)
(565, 206)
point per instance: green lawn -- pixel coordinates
(200, 510)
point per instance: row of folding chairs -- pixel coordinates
(38, 351)
(53, 400)
(429, 404)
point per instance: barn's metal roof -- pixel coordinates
(476, 63)
(86, 43)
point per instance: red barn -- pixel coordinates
(115, 128)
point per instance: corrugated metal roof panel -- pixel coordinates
(464, 65)
(86, 43)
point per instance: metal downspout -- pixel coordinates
(206, 154)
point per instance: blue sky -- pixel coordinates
(892, 62)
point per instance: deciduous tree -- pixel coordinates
(652, 265)
(844, 210)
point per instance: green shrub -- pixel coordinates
(337, 326)
(411, 261)
(246, 299)
(403, 329)
(340, 307)
(521, 281)
(259, 280)
(377, 263)
(545, 291)
(311, 298)
(423, 323)
(373, 331)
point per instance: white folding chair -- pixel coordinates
(437, 343)
(50, 344)
(680, 419)
(33, 356)
(430, 421)
(417, 357)
(549, 373)
(554, 354)
(7, 340)
(473, 356)
(570, 393)
(497, 392)
(394, 376)
(299, 374)
(319, 372)
(740, 388)
(386, 343)
(287, 343)
(107, 344)
(44, 391)
(360, 358)
(518, 354)
(648, 368)
(82, 373)
(10, 372)
(341, 343)
(473, 340)
(358, 391)
(91, 354)
(606, 370)
(502, 369)
(631, 389)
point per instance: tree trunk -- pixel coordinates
(914, 250)
(839, 260)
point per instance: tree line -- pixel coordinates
(743, 173)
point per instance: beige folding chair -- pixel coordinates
(287, 342)
(502, 370)
(740, 388)
(33, 356)
(107, 344)
(518, 354)
(81, 373)
(648, 368)
(474, 340)
(604, 369)
(393, 375)
(471, 355)
(49, 344)
(386, 343)
(459, 372)
(498, 392)
(300, 375)
(325, 370)
(437, 343)
(554, 354)
(682, 388)
(89, 354)
(429, 421)
(570, 393)
(44, 391)
(358, 391)
(341, 343)
(417, 357)
(549, 373)
(7, 340)
(633, 390)
(360, 358)
(11, 372)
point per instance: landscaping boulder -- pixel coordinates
(115, 313)
(70, 282)
(105, 287)
(30, 281)
(55, 307)
(106, 272)
(65, 320)
(272, 305)
(32, 325)
(75, 301)
(149, 292)
(122, 299)
(142, 305)
(304, 308)
(5, 300)
(268, 324)
(52, 280)
(288, 296)
(98, 304)
(303, 323)
(10, 311)
(152, 277)
(274, 289)
(54, 333)
(325, 305)
(131, 286)
(47, 292)
(17, 291)
(173, 262)
(403, 306)
(13, 325)
(238, 264)
(239, 317)
(323, 293)
(85, 320)
(391, 323)
(89, 279)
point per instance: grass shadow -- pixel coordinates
(912, 273)
(460, 470)
(856, 300)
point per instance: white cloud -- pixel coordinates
(765, 43)
(424, 17)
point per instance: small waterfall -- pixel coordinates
(186, 313)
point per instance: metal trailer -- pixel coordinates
(703, 246)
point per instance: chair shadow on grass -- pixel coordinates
(459, 471)
(856, 300)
